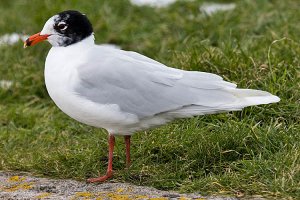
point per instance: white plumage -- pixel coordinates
(125, 92)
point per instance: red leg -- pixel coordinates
(127, 143)
(109, 172)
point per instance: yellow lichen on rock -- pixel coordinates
(119, 190)
(16, 179)
(83, 194)
(113, 196)
(43, 195)
(22, 186)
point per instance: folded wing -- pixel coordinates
(144, 87)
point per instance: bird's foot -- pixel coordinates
(101, 178)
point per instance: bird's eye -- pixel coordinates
(62, 26)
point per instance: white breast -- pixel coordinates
(61, 77)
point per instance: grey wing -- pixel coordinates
(145, 87)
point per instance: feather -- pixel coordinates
(145, 88)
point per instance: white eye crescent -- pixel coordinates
(62, 26)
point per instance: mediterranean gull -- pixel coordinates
(124, 91)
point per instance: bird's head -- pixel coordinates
(63, 29)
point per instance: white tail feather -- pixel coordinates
(249, 97)
(244, 98)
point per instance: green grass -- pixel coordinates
(253, 152)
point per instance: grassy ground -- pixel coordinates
(253, 152)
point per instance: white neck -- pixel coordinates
(90, 40)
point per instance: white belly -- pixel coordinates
(61, 78)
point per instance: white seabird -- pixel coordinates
(124, 91)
